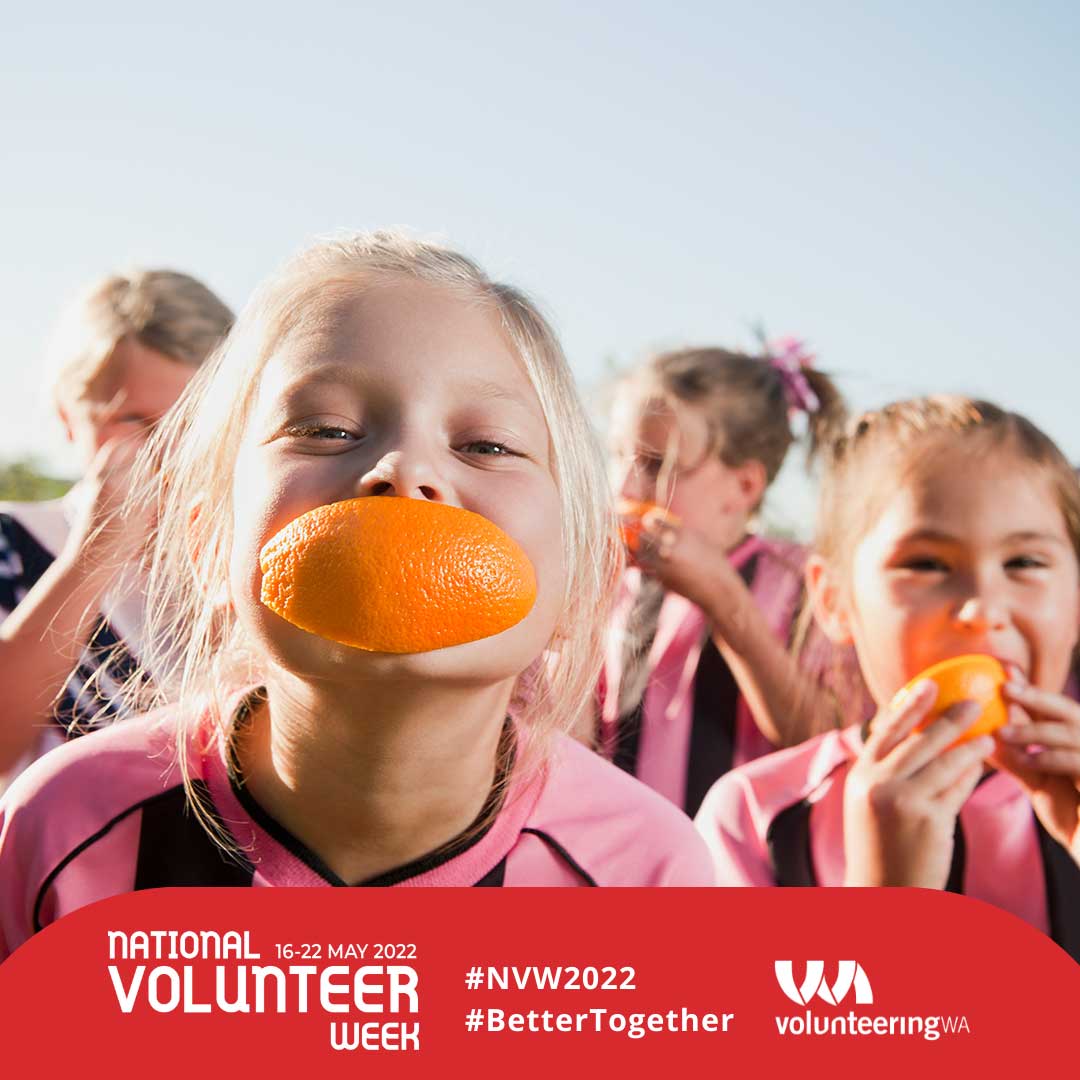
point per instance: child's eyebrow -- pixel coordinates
(485, 390)
(934, 535)
(1031, 535)
(327, 374)
(1020, 536)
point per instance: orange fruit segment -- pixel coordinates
(973, 677)
(396, 575)
(632, 512)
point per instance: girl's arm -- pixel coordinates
(42, 639)
(40, 643)
(730, 828)
(787, 703)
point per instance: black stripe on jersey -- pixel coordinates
(494, 878)
(791, 855)
(628, 738)
(176, 850)
(1062, 893)
(563, 854)
(168, 796)
(712, 729)
(955, 883)
(33, 555)
(788, 843)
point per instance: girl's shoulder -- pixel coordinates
(756, 792)
(788, 551)
(619, 831)
(777, 559)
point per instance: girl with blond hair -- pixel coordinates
(372, 371)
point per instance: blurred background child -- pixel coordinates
(698, 676)
(947, 527)
(126, 350)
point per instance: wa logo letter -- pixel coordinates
(848, 974)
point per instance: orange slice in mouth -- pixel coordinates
(396, 575)
(632, 512)
(973, 677)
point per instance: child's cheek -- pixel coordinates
(1052, 635)
(534, 522)
(890, 632)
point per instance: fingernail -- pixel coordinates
(967, 711)
(1008, 731)
(909, 693)
(1014, 687)
(984, 745)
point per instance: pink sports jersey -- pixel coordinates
(779, 821)
(679, 745)
(105, 815)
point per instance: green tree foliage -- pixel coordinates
(24, 481)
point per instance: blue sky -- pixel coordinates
(893, 182)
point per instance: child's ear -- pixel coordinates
(69, 431)
(752, 480)
(827, 601)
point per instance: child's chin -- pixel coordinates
(485, 661)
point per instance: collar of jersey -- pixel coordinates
(280, 859)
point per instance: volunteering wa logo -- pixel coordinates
(849, 974)
(851, 983)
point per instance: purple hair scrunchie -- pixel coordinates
(790, 357)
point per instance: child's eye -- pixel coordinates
(925, 564)
(1025, 562)
(488, 448)
(321, 432)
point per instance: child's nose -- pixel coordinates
(981, 612)
(406, 474)
(633, 484)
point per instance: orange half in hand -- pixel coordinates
(396, 575)
(632, 512)
(973, 677)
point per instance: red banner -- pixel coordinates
(399, 982)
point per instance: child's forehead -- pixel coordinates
(340, 313)
(400, 333)
(967, 488)
(638, 414)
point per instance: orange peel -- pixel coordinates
(633, 512)
(396, 575)
(972, 677)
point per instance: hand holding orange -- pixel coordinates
(973, 677)
(633, 513)
(396, 575)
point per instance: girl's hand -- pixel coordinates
(686, 563)
(903, 794)
(97, 531)
(1040, 746)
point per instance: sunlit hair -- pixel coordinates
(879, 450)
(198, 656)
(743, 400)
(163, 310)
